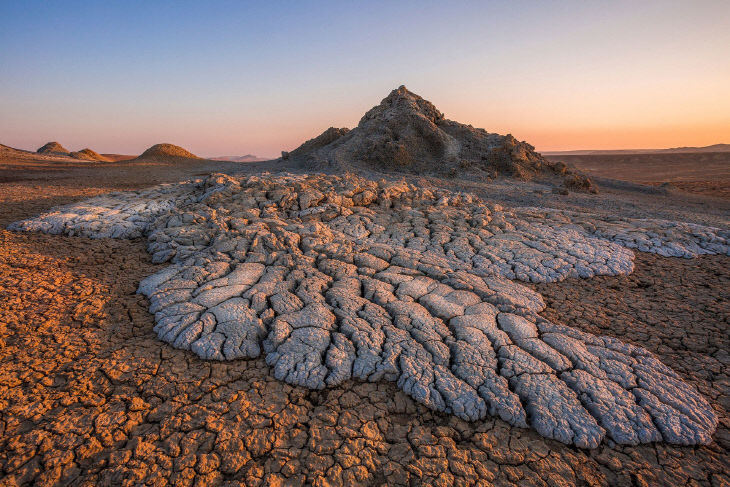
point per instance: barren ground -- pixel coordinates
(89, 395)
(702, 173)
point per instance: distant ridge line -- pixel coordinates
(246, 158)
(674, 150)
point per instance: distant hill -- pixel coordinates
(53, 149)
(166, 152)
(89, 155)
(692, 150)
(9, 153)
(246, 158)
(56, 149)
(674, 150)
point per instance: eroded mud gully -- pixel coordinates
(334, 278)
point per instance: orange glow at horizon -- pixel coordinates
(559, 75)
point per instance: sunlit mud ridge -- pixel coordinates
(333, 278)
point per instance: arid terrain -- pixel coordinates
(90, 396)
(705, 173)
(462, 244)
(97, 390)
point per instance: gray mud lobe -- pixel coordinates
(333, 278)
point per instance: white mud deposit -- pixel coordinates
(334, 278)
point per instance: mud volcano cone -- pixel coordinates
(406, 133)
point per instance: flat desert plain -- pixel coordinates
(699, 172)
(90, 396)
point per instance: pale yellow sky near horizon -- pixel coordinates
(614, 129)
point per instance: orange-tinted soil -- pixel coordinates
(89, 396)
(118, 157)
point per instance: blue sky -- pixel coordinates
(237, 77)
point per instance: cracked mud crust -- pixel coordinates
(89, 396)
(338, 278)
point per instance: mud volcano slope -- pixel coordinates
(332, 278)
(53, 149)
(166, 153)
(407, 133)
(89, 155)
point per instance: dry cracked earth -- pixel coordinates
(91, 396)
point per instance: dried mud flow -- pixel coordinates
(340, 277)
(90, 396)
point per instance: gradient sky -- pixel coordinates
(222, 78)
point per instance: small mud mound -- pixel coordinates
(409, 134)
(89, 155)
(53, 148)
(166, 152)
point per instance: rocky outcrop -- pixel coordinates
(407, 133)
(333, 278)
